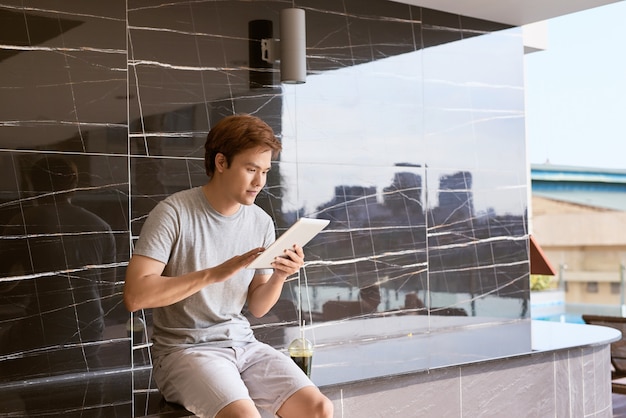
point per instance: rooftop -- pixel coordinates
(588, 186)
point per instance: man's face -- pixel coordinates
(247, 174)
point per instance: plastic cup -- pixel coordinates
(301, 352)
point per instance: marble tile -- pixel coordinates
(405, 396)
(494, 388)
(562, 380)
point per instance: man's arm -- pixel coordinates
(145, 287)
(264, 290)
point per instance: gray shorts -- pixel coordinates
(205, 379)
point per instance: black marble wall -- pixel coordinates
(408, 136)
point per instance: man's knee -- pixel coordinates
(324, 408)
(239, 409)
(308, 402)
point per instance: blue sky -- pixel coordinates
(576, 91)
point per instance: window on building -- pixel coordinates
(592, 287)
(616, 288)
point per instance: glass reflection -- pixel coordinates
(60, 251)
(432, 240)
(60, 301)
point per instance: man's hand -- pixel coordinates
(264, 290)
(231, 266)
(290, 263)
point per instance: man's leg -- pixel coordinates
(239, 409)
(204, 380)
(308, 402)
(278, 385)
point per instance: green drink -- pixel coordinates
(301, 352)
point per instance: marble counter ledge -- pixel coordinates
(549, 336)
(353, 362)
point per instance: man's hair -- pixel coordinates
(235, 134)
(53, 174)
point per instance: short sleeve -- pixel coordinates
(158, 233)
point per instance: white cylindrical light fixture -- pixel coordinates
(292, 46)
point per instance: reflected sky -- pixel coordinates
(358, 122)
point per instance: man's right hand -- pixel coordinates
(231, 266)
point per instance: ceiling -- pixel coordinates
(512, 12)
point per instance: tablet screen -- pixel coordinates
(300, 233)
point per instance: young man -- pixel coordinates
(189, 265)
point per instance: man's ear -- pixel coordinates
(220, 162)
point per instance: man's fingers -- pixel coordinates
(248, 257)
(254, 252)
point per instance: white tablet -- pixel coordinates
(300, 233)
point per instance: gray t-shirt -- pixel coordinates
(187, 234)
